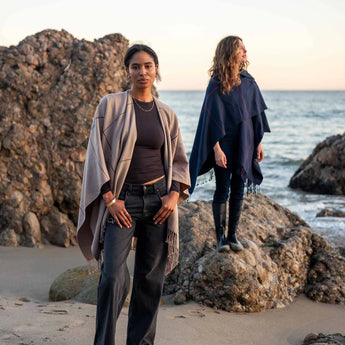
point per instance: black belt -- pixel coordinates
(144, 189)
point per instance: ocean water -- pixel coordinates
(299, 120)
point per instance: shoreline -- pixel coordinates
(29, 318)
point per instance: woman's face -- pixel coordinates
(142, 70)
(241, 52)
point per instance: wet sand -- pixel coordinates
(27, 317)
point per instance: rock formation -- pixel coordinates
(323, 172)
(50, 85)
(282, 259)
(330, 213)
(324, 339)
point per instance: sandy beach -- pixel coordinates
(29, 318)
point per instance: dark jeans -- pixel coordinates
(225, 177)
(142, 203)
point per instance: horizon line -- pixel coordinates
(279, 90)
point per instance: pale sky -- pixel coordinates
(292, 45)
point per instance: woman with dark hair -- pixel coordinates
(136, 172)
(228, 137)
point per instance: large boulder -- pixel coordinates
(74, 282)
(277, 263)
(245, 282)
(50, 85)
(79, 283)
(323, 172)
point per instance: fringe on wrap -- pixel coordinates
(251, 188)
(93, 266)
(173, 252)
(172, 258)
(205, 178)
(100, 259)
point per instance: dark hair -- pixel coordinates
(136, 48)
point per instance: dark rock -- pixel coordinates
(310, 337)
(330, 339)
(330, 213)
(323, 172)
(50, 85)
(341, 251)
(8, 238)
(58, 228)
(326, 276)
(180, 297)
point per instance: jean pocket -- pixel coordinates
(125, 196)
(156, 196)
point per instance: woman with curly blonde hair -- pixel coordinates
(228, 138)
(230, 59)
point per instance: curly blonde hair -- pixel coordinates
(227, 64)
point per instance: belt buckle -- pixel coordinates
(148, 189)
(111, 220)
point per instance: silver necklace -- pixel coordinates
(143, 109)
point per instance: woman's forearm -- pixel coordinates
(108, 196)
(216, 147)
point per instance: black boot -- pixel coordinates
(219, 216)
(234, 217)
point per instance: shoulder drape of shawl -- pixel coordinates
(243, 107)
(112, 139)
